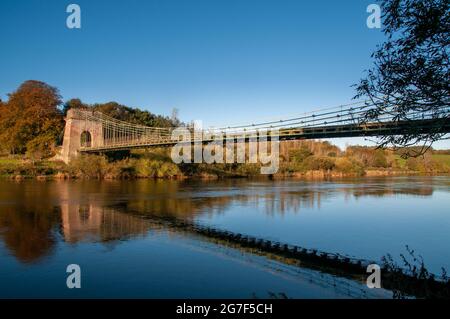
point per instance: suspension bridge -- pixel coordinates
(89, 131)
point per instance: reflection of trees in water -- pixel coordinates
(32, 213)
(29, 234)
(28, 223)
(187, 199)
(398, 191)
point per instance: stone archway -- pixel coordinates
(86, 139)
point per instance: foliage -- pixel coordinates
(299, 155)
(42, 146)
(122, 169)
(29, 232)
(443, 159)
(156, 169)
(135, 115)
(441, 152)
(19, 166)
(315, 163)
(157, 164)
(30, 120)
(73, 103)
(411, 70)
(368, 156)
(127, 114)
(89, 166)
(96, 166)
(424, 163)
(349, 166)
(420, 279)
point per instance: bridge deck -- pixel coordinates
(299, 133)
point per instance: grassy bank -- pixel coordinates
(300, 162)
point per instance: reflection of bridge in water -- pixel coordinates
(110, 211)
(96, 223)
(90, 131)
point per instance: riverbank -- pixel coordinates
(96, 167)
(297, 159)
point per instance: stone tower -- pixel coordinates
(80, 131)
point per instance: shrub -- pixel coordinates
(332, 154)
(43, 146)
(319, 163)
(379, 159)
(125, 168)
(299, 155)
(156, 168)
(89, 166)
(349, 166)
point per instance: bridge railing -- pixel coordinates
(118, 133)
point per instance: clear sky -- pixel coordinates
(219, 61)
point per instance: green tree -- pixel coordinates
(319, 163)
(73, 103)
(134, 115)
(301, 154)
(125, 113)
(411, 75)
(379, 159)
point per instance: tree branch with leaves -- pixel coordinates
(410, 76)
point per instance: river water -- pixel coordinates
(111, 230)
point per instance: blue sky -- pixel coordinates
(219, 61)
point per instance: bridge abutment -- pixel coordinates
(76, 125)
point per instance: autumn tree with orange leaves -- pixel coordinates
(30, 121)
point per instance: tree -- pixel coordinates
(379, 159)
(301, 154)
(174, 116)
(125, 113)
(73, 103)
(134, 115)
(410, 76)
(30, 119)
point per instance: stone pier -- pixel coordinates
(79, 132)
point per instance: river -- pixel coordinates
(111, 229)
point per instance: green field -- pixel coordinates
(442, 158)
(10, 161)
(16, 165)
(401, 162)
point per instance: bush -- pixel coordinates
(89, 166)
(316, 163)
(168, 170)
(248, 169)
(332, 154)
(349, 166)
(148, 168)
(41, 147)
(121, 169)
(299, 155)
(379, 159)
